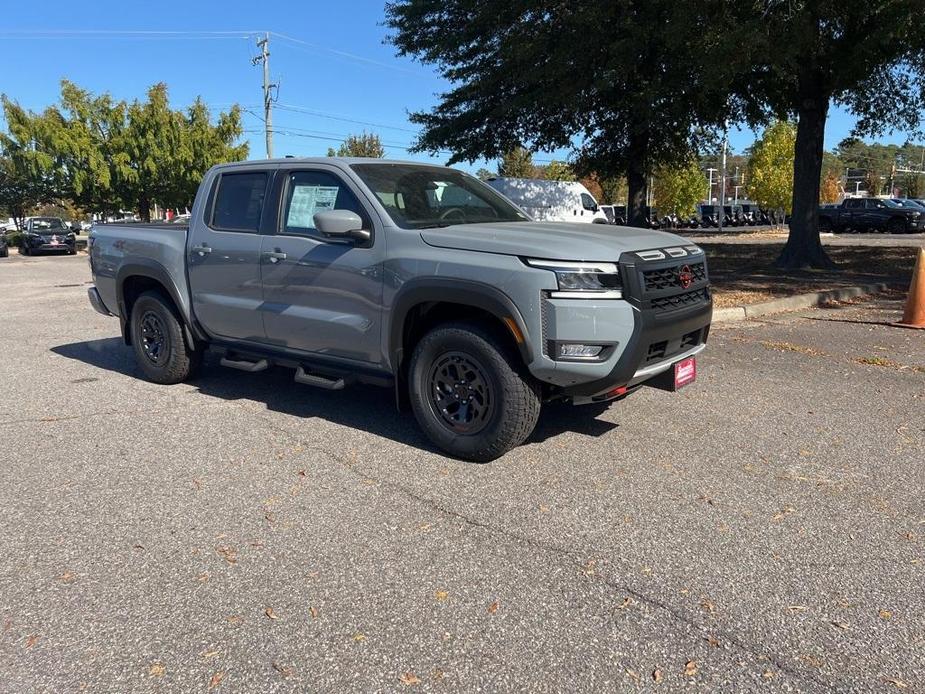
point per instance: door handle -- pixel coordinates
(275, 256)
(201, 250)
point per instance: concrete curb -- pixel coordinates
(794, 303)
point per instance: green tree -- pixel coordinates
(771, 167)
(362, 145)
(614, 190)
(104, 155)
(865, 55)
(517, 163)
(914, 185)
(483, 174)
(678, 189)
(20, 191)
(873, 181)
(558, 171)
(550, 75)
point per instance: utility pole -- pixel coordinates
(722, 182)
(264, 57)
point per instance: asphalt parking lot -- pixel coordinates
(762, 530)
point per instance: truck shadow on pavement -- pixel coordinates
(366, 408)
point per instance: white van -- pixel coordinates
(551, 201)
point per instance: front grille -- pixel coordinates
(669, 303)
(668, 277)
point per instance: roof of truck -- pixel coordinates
(328, 160)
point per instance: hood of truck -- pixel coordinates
(550, 240)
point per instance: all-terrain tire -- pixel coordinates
(157, 339)
(510, 396)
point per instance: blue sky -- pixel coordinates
(336, 74)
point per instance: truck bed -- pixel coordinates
(115, 247)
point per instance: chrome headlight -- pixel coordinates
(582, 280)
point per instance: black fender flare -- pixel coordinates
(466, 292)
(145, 267)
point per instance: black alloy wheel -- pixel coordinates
(154, 342)
(460, 393)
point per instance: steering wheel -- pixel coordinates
(453, 210)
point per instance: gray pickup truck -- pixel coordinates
(410, 276)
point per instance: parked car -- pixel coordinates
(406, 275)
(4, 247)
(47, 235)
(871, 214)
(909, 203)
(551, 201)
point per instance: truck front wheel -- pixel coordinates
(469, 393)
(157, 338)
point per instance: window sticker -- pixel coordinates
(306, 201)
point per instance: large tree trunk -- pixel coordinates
(804, 248)
(637, 181)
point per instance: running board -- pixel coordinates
(309, 379)
(244, 365)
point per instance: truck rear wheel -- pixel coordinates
(157, 338)
(469, 394)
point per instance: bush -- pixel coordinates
(12, 238)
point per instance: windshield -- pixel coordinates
(425, 197)
(43, 223)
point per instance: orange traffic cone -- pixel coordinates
(914, 315)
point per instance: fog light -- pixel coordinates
(578, 351)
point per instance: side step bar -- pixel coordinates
(309, 379)
(244, 365)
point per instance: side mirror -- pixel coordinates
(341, 224)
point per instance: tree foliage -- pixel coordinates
(831, 190)
(635, 83)
(517, 163)
(557, 171)
(678, 189)
(362, 145)
(105, 155)
(771, 167)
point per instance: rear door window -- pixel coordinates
(239, 201)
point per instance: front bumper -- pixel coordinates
(657, 323)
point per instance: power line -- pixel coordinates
(299, 44)
(331, 116)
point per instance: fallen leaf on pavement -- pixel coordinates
(67, 576)
(493, 607)
(209, 654)
(713, 641)
(657, 675)
(690, 668)
(156, 670)
(784, 512)
(229, 554)
(886, 614)
(441, 595)
(285, 670)
(409, 679)
(203, 577)
(767, 674)
(31, 640)
(359, 637)
(811, 660)
(797, 608)
(708, 605)
(235, 619)
(216, 680)
(626, 603)
(270, 613)
(898, 683)
(313, 611)
(633, 674)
